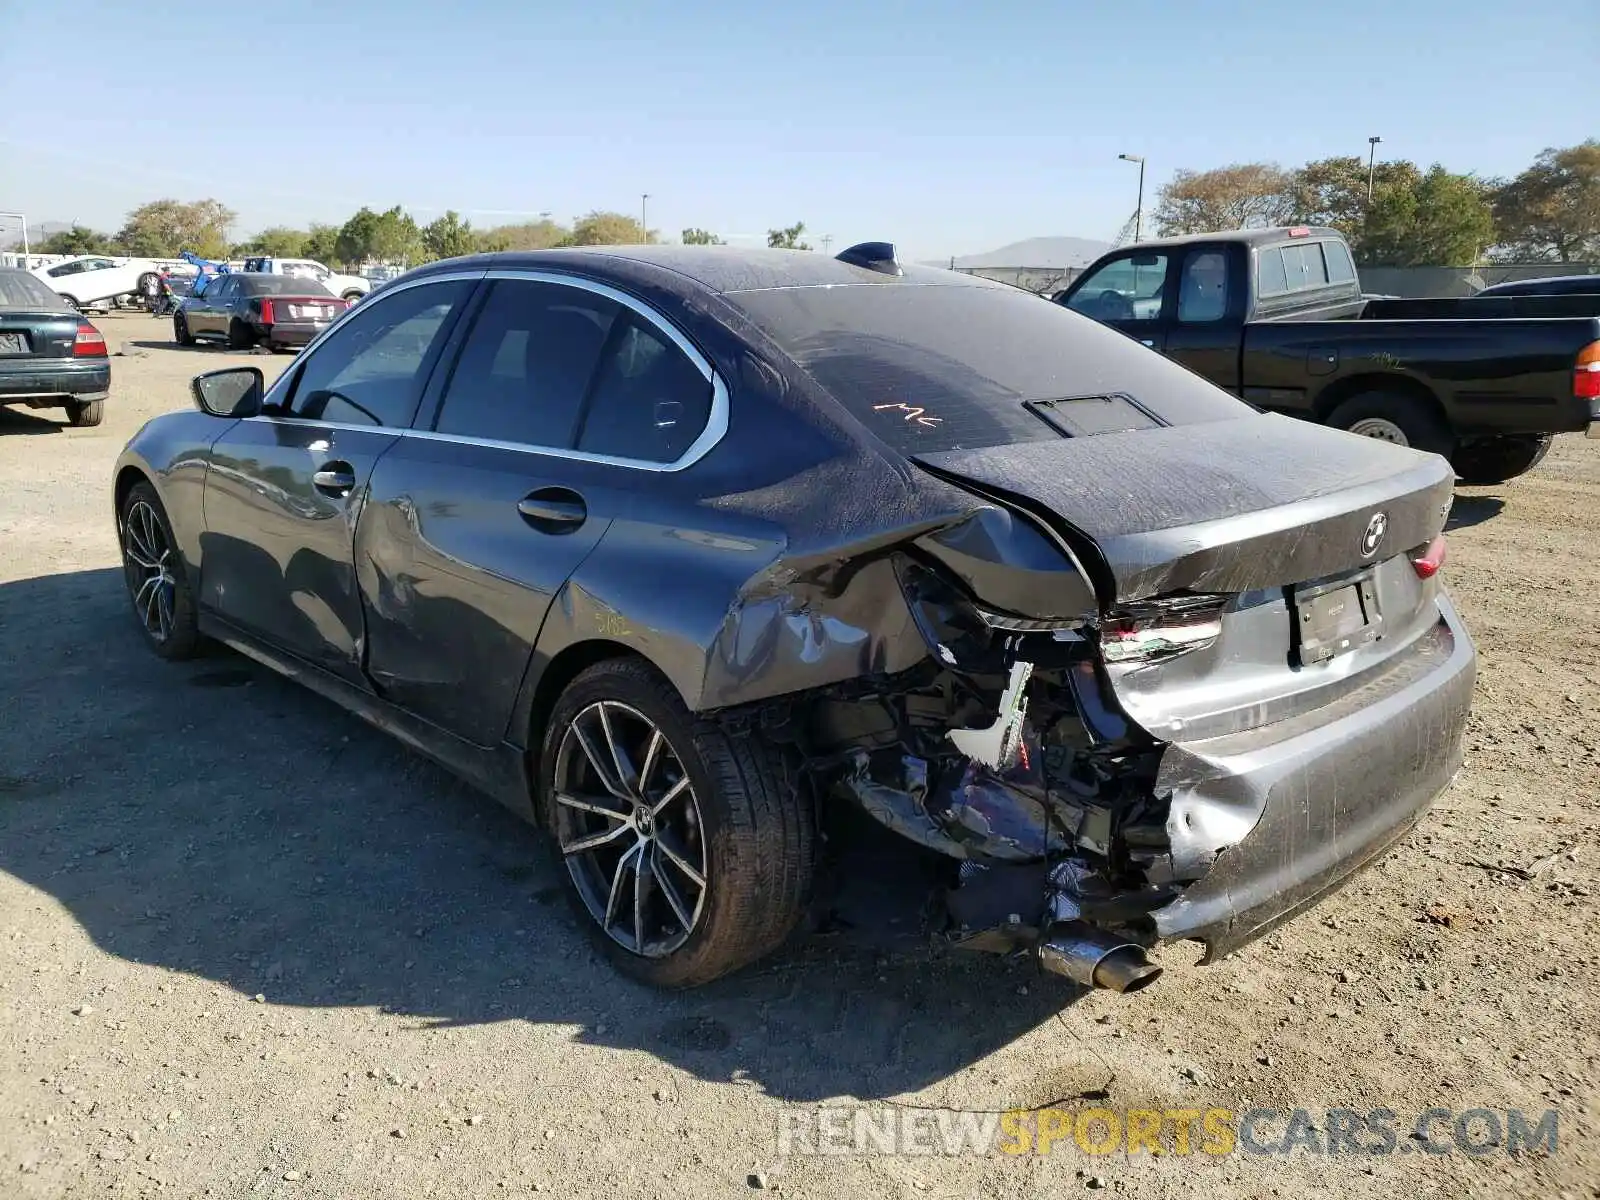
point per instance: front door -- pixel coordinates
(285, 489)
(207, 315)
(1127, 293)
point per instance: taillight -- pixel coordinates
(266, 312)
(1162, 628)
(1586, 373)
(1427, 564)
(90, 342)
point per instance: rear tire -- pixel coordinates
(1498, 459)
(71, 303)
(239, 336)
(1396, 418)
(740, 818)
(84, 414)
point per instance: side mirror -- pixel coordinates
(232, 392)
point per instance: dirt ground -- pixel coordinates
(249, 947)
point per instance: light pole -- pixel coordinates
(1372, 155)
(644, 214)
(1138, 212)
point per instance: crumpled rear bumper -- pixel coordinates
(1333, 791)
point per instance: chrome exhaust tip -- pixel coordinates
(1095, 958)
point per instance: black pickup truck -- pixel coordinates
(1277, 317)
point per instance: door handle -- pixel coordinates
(336, 478)
(553, 510)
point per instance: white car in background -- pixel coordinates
(96, 280)
(346, 287)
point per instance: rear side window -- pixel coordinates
(649, 401)
(1340, 268)
(527, 363)
(1270, 277)
(927, 368)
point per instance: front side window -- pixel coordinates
(649, 401)
(1125, 289)
(1203, 289)
(526, 364)
(371, 370)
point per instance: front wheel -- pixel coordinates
(180, 330)
(1495, 460)
(352, 296)
(84, 414)
(688, 849)
(1396, 418)
(158, 585)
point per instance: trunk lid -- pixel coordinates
(1219, 507)
(37, 333)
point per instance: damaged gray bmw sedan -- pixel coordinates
(674, 549)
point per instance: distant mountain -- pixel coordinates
(1049, 253)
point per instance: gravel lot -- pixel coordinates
(250, 947)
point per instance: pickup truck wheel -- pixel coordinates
(83, 414)
(688, 847)
(1495, 460)
(1391, 417)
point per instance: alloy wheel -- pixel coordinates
(629, 827)
(148, 561)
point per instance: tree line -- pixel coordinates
(1412, 217)
(166, 228)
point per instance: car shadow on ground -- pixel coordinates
(215, 819)
(1467, 511)
(24, 420)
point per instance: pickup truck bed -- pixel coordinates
(1486, 382)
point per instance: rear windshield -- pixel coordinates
(281, 285)
(934, 368)
(18, 289)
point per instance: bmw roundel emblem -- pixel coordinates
(1373, 537)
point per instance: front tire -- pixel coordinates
(352, 296)
(688, 849)
(1396, 418)
(85, 414)
(1496, 460)
(158, 585)
(180, 330)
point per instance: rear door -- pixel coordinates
(286, 489)
(1129, 293)
(567, 402)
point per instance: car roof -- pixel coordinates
(720, 269)
(1560, 283)
(1248, 237)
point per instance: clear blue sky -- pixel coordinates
(945, 127)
